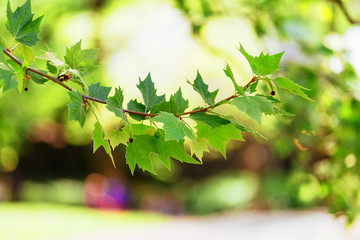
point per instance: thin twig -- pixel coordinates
(85, 97)
(343, 8)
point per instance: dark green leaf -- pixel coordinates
(178, 104)
(263, 64)
(77, 108)
(98, 139)
(218, 137)
(148, 92)
(21, 24)
(174, 128)
(203, 89)
(229, 73)
(81, 59)
(292, 87)
(140, 152)
(253, 87)
(253, 106)
(114, 104)
(52, 69)
(213, 121)
(99, 92)
(164, 106)
(37, 78)
(172, 149)
(134, 105)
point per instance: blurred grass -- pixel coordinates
(48, 221)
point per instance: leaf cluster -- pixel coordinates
(156, 128)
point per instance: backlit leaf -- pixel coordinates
(52, 58)
(228, 72)
(263, 64)
(81, 59)
(27, 52)
(253, 106)
(292, 87)
(174, 128)
(116, 137)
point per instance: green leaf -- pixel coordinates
(21, 25)
(228, 72)
(253, 87)
(3, 42)
(198, 147)
(99, 92)
(114, 104)
(263, 64)
(164, 106)
(243, 127)
(218, 137)
(139, 152)
(174, 128)
(139, 129)
(37, 78)
(52, 69)
(173, 149)
(9, 77)
(81, 59)
(203, 89)
(116, 137)
(178, 104)
(211, 120)
(292, 87)
(52, 58)
(77, 108)
(27, 52)
(98, 141)
(134, 105)
(279, 111)
(3, 60)
(148, 92)
(253, 106)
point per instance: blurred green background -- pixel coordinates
(310, 160)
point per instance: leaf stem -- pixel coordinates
(55, 80)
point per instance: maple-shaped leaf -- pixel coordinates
(99, 92)
(262, 65)
(253, 106)
(140, 152)
(27, 52)
(203, 89)
(172, 149)
(218, 137)
(292, 87)
(8, 77)
(139, 129)
(81, 59)
(21, 25)
(178, 104)
(174, 128)
(243, 127)
(198, 147)
(164, 106)
(52, 58)
(148, 92)
(136, 106)
(114, 104)
(116, 137)
(209, 119)
(228, 72)
(37, 78)
(98, 141)
(77, 108)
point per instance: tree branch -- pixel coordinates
(343, 8)
(85, 97)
